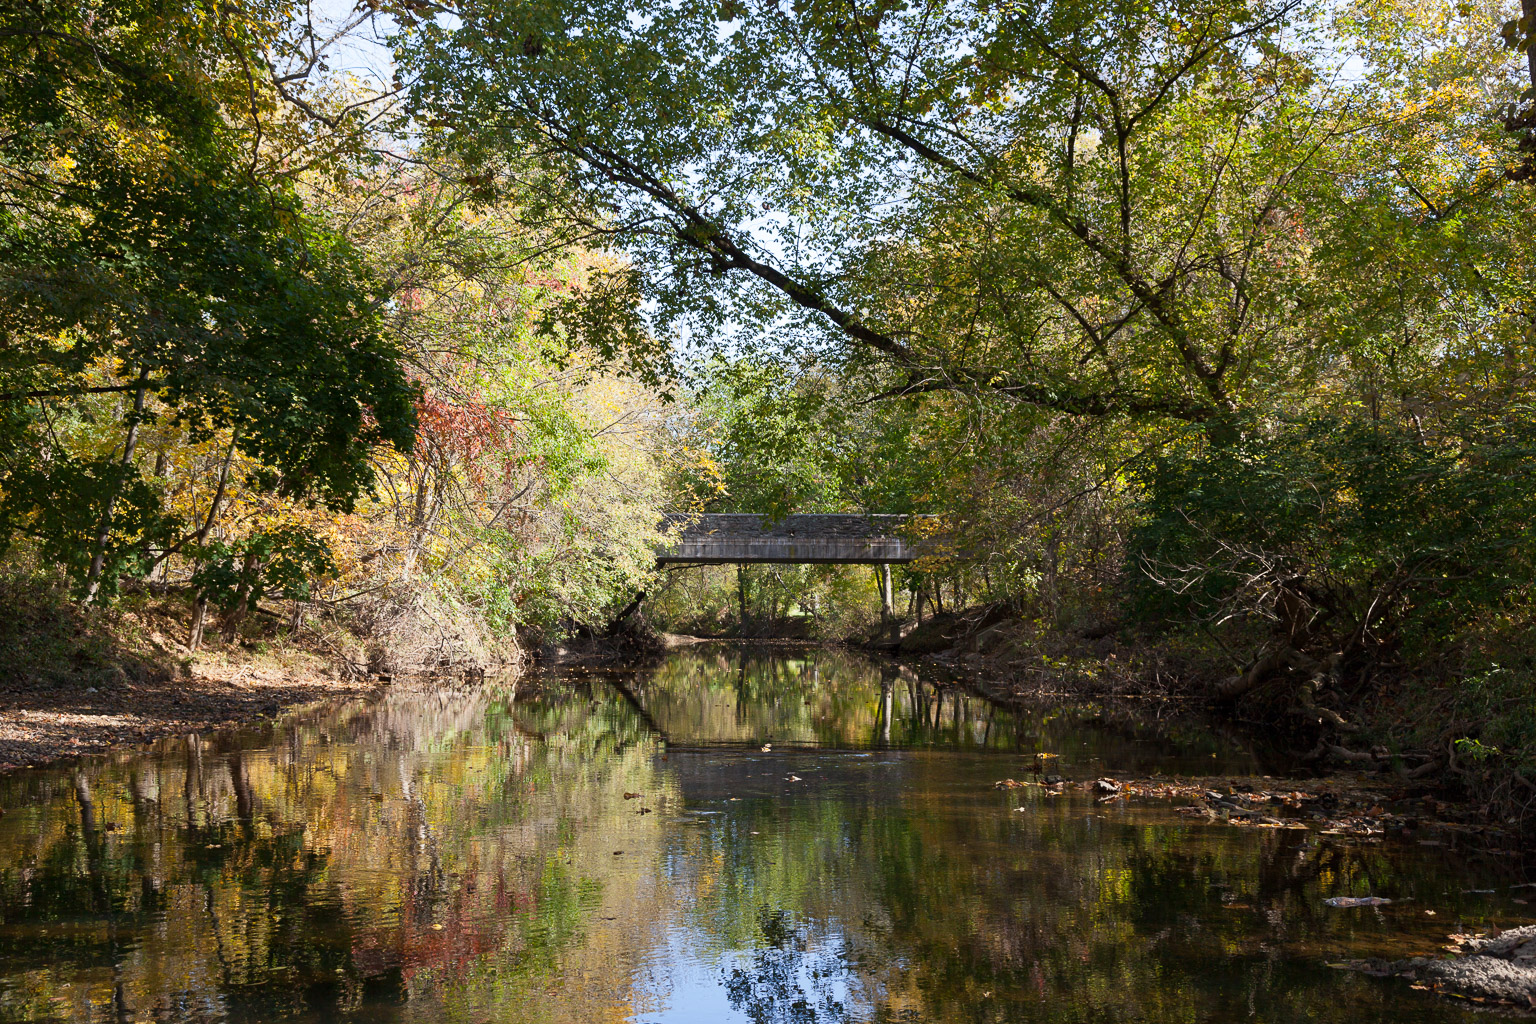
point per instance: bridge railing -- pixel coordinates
(815, 538)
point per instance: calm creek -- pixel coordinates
(730, 834)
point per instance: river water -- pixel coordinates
(727, 835)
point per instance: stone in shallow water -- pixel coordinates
(1488, 976)
(1499, 967)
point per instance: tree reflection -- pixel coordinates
(461, 856)
(835, 700)
(786, 983)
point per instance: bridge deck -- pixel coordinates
(717, 539)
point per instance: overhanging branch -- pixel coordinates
(24, 396)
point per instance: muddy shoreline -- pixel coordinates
(75, 682)
(43, 722)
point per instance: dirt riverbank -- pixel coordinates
(42, 721)
(78, 681)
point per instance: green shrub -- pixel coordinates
(1348, 536)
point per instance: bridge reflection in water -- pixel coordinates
(718, 696)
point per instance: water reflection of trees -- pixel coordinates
(832, 699)
(784, 981)
(819, 697)
(362, 858)
(461, 857)
(1059, 914)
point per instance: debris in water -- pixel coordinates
(1497, 967)
(1354, 809)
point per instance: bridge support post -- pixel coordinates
(741, 596)
(887, 600)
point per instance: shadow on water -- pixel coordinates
(620, 847)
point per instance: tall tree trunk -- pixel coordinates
(104, 532)
(199, 617)
(236, 615)
(200, 606)
(423, 509)
(218, 494)
(1049, 592)
(1528, 11)
(1521, 119)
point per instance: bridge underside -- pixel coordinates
(797, 553)
(798, 539)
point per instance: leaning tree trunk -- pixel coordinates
(104, 532)
(631, 609)
(218, 494)
(200, 606)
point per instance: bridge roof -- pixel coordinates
(720, 538)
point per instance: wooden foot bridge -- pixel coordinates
(720, 539)
(743, 538)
